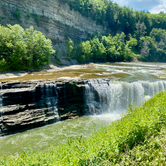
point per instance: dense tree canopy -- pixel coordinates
(141, 32)
(104, 48)
(127, 20)
(21, 49)
(121, 48)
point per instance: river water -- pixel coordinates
(130, 83)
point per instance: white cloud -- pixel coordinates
(154, 6)
(160, 7)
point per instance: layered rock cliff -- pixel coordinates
(26, 105)
(53, 18)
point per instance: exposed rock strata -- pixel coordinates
(52, 17)
(28, 105)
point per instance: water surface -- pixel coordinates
(115, 71)
(40, 138)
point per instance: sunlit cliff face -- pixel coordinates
(52, 17)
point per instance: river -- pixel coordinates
(129, 83)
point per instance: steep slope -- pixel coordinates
(52, 17)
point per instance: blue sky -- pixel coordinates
(153, 6)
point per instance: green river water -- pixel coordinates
(40, 138)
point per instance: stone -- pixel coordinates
(54, 19)
(25, 107)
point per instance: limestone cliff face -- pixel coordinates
(52, 17)
(26, 105)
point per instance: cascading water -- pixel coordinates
(52, 98)
(97, 96)
(106, 96)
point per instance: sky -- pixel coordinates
(153, 6)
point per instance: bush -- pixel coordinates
(20, 50)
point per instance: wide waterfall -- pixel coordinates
(103, 96)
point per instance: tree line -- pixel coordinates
(143, 29)
(118, 48)
(23, 49)
(125, 19)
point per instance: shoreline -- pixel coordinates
(9, 75)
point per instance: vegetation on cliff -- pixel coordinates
(118, 48)
(23, 49)
(104, 48)
(124, 19)
(136, 139)
(146, 30)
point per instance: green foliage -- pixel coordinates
(21, 49)
(36, 18)
(69, 47)
(148, 48)
(136, 139)
(153, 47)
(106, 12)
(106, 48)
(17, 14)
(136, 25)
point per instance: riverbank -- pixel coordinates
(48, 69)
(114, 71)
(138, 138)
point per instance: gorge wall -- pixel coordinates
(27, 105)
(52, 17)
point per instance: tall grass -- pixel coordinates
(121, 143)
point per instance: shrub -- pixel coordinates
(21, 49)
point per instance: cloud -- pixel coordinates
(160, 7)
(154, 6)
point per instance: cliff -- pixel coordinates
(26, 105)
(53, 18)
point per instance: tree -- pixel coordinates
(20, 50)
(69, 47)
(140, 29)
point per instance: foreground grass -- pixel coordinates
(139, 138)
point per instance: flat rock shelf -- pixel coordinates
(27, 105)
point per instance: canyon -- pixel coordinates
(53, 18)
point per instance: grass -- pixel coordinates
(138, 138)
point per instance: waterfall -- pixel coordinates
(51, 98)
(106, 96)
(97, 96)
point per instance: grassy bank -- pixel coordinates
(137, 139)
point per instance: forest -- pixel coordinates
(120, 47)
(23, 49)
(141, 35)
(135, 35)
(124, 19)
